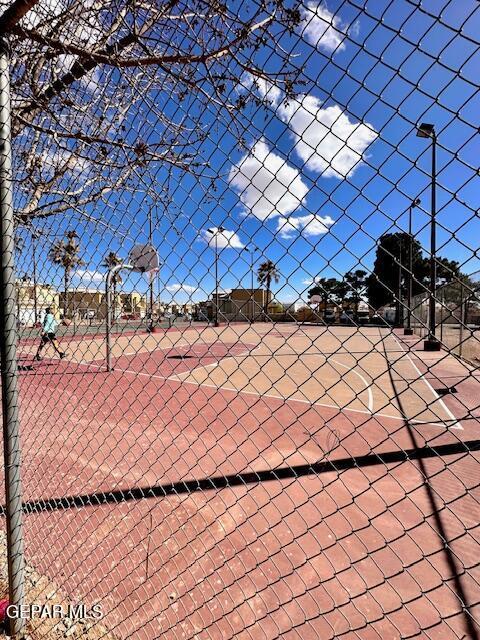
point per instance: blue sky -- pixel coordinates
(370, 71)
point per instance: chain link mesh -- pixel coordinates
(279, 438)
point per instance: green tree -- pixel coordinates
(391, 269)
(341, 292)
(65, 253)
(266, 274)
(357, 284)
(327, 289)
(112, 260)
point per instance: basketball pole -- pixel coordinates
(108, 311)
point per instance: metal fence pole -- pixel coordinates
(8, 347)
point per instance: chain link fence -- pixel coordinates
(457, 316)
(240, 314)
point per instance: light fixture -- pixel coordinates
(425, 130)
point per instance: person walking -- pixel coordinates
(49, 334)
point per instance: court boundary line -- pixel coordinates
(368, 387)
(212, 364)
(456, 423)
(399, 418)
(371, 406)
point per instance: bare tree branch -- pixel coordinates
(15, 12)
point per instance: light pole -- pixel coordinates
(215, 232)
(12, 458)
(408, 331)
(431, 343)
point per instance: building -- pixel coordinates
(83, 304)
(44, 295)
(240, 305)
(89, 304)
(134, 304)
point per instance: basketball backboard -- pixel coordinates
(144, 258)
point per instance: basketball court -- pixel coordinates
(214, 406)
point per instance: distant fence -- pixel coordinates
(457, 316)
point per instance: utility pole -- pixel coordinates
(216, 279)
(252, 251)
(399, 297)
(215, 232)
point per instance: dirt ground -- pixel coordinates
(40, 589)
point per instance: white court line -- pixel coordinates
(456, 424)
(368, 387)
(257, 395)
(180, 376)
(177, 376)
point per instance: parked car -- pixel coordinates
(329, 316)
(363, 317)
(347, 317)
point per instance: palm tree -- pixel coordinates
(267, 272)
(65, 253)
(112, 260)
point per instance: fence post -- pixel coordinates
(8, 350)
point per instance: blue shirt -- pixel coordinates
(49, 323)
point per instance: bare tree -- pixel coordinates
(108, 93)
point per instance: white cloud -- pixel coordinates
(308, 226)
(325, 138)
(267, 186)
(88, 275)
(321, 28)
(185, 288)
(267, 90)
(221, 239)
(63, 161)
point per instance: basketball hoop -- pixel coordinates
(144, 258)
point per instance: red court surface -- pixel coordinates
(369, 530)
